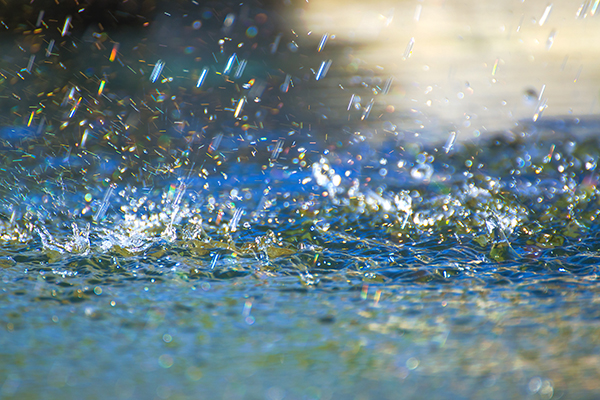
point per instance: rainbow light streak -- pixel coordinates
(594, 8)
(74, 108)
(65, 28)
(101, 87)
(113, 53)
(322, 42)
(239, 107)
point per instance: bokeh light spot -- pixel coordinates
(252, 32)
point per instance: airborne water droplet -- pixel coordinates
(551, 38)
(409, 48)
(546, 14)
(450, 142)
(105, 203)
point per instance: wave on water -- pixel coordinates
(352, 213)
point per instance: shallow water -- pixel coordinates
(467, 274)
(152, 248)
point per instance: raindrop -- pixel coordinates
(422, 172)
(409, 48)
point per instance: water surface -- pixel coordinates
(168, 235)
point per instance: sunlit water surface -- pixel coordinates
(170, 235)
(461, 271)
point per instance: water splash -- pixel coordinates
(78, 243)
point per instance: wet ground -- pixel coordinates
(171, 233)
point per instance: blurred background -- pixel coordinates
(129, 69)
(469, 65)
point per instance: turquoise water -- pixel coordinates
(164, 236)
(471, 274)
